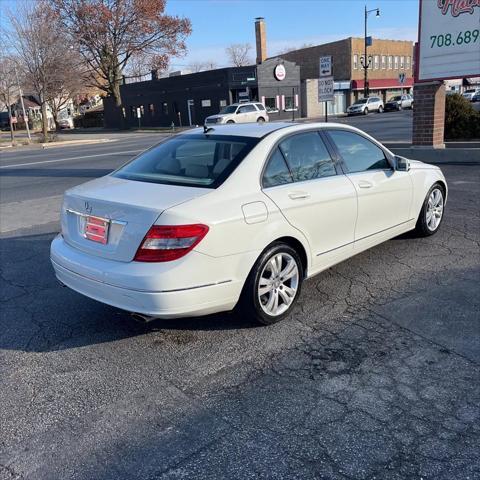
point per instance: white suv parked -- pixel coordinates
(365, 106)
(239, 113)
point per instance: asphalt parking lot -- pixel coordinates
(376, 375)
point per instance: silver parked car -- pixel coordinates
(469, 94)
(239, 113)
(366, 105)
(399, 102)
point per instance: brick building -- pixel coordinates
(389, 59)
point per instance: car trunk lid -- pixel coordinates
(109, 217)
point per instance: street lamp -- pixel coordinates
(367, 61)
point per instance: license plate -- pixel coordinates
(96, 229)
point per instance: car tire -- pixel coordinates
(229, 121)
(260, 120)
(431, 214)
(380, 109)
(271, 307)
(365, 112)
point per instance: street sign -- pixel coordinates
(401, 78)
(325, 89)
(325, 66)
(369, 41)
(449, 38)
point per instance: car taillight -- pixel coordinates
(164, 243)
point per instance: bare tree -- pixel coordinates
(67, 86)
(109, 33)
(196, 67)
(8, 88)
(284, 50)
(45, 57)
(239, 54)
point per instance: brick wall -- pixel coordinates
(309, 58)
(386, 48)
(343, 52)
(429, 115)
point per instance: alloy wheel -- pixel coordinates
(278, 284)
(434, 210)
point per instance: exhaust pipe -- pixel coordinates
(141, 318)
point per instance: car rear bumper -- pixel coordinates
(122, 284)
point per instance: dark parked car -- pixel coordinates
(4, 121)
(399, 102)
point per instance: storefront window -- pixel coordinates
(151, 108)
(271, 104)
(289, 103)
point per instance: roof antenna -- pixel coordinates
(206, 129)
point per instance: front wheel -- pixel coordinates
(260, 120)
(273, 285)
(230, 121)
(380, 109)
(365, 112)
(431, 215)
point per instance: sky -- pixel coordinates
(290, 23)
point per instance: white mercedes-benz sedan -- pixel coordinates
(238, 216)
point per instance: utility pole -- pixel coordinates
(366, 62)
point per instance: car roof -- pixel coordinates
(259, 130)
(255, 130)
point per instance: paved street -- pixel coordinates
(374, 376)
(394, 127)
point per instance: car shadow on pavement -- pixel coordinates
(38, 314)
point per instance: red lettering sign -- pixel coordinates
(457, 7)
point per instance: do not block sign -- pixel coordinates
(325, 89)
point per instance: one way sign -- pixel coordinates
(325, 66)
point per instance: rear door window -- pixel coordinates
(277, 171)
(307, 157)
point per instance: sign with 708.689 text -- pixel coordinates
(449, 39)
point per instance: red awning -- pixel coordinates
(382, 83)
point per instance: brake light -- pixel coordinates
(164, 243)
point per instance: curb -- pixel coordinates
(67, 143)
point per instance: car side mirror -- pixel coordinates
(402, 164)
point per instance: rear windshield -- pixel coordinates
(189, 160)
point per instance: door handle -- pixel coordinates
(365, 184)
(298, 195)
